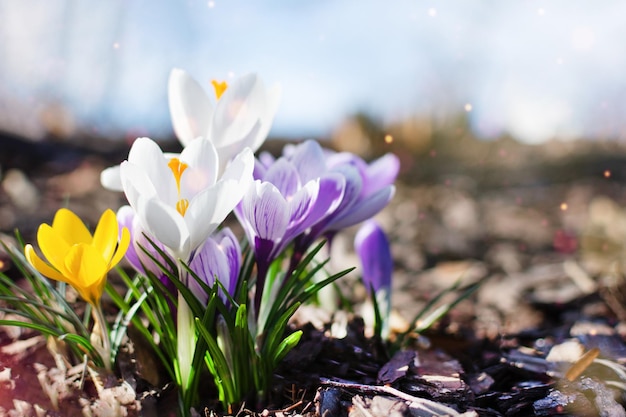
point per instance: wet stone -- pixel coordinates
(397, 367)
(603, 397)
(328, 402)
(554, 403)
(480, 383)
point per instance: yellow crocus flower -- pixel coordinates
(75, 256)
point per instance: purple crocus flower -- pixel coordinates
(372, 187)
(368, 189)
(372, 247)
(288, 197)
(219, 258)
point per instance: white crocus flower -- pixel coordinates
(241, 117)
(181, 200)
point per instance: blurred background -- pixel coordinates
(533, 70)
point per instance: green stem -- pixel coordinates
(101, 325)
(185, 348)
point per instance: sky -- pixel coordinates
(533, 69)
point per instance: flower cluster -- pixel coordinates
(209, 299)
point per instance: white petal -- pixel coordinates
(199, 217)
(166, 225)
(141, 149)
(267, 105)
(147, 155)
(240, 169)
(229, 151)
(190, 107)
(135, 183)
(237, 111)
(270, 108)
(203, 162)
(208, 209)
(230, 192)
(110, 179)
(227, 195)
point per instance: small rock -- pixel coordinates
(21, 191)
(328, 402)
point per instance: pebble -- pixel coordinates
(21, 191)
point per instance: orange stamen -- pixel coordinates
(182, 205)
(178, 168)
(220, 87)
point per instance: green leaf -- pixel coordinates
(285, 346)
(276, 330)
(118, 331)
(85, 344)
(219, 368)
(378, 318)
(171, 264)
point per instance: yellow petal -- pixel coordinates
(122, 247)
(105, 236)
(86, 269)
(42, 266)
(53, 246)
(70, 227)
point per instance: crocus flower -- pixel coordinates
(241, 117)
(180, 200)
(368, 189)
(371, 190)
(308, 158)
(219, 258)
(372, 247)
(283, 204)
(75, 256)
(272, 217)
